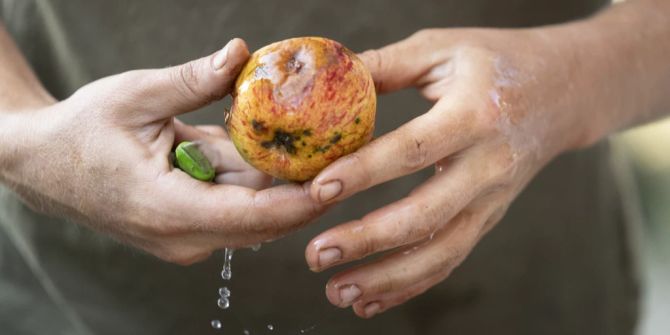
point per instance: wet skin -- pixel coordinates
(506, 102)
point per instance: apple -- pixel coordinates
(300, 104)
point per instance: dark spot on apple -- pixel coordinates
(303, 143)
(309, 156)
(357, 121)
(259, 126)
(307, 132)
(321, 149)
(336, 138)
(281, 139)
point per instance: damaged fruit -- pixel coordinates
(299, 105)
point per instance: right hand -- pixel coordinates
(101, 157)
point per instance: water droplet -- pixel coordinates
(246, 332)
(216, 324)
(271, 327)
(227, 273)
(256, 247)
(224, 292)
(308, 329)
(223, 303)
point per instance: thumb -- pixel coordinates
(402, 64)
(189, 86)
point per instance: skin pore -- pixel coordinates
(506, 102)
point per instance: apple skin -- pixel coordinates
(300, 104)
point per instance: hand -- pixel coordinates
(101, 157)
(505, 103)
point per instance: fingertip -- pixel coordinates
(327, 187)
(311, 256)
(322, 254)
(313, 188)
(331, 293)
(238, 49)
(373, 61)
(366, 309)
(231, 56)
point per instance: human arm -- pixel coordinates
(100, 157)
(507, 102)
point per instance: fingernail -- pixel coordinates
(330, 190)
(348, 294)
(372, 309)
(220, 58)
(329, 256)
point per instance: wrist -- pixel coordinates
(620, 71)
(19, 133)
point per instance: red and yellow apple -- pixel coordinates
(300, 104)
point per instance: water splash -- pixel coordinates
(226, 272)
(223, 303)
(308, 329)
(256, 247)
(271, 327)
(224, 292)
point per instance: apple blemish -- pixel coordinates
(294, 102)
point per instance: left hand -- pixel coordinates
(506, 103)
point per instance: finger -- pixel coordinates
(447, 128)
(184, 88)
(401, 64)
(406, 221)
(218, 149)
(251, 178)
(213, 130)
(399, 271)
(489, 207)
(368, 309)
(234, 216)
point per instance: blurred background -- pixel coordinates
(643, 164)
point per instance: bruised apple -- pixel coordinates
(299, 104)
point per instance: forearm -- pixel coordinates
(623, 53)
(19, 87)
(20, 91)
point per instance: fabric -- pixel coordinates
(559, 263)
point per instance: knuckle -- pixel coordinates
(426, 33)
(502, 166)
(488, 117)
(368, 245)
(414, 153)
(375, 62)
(388, 282)
(411, 230)
(450, 258)
(185, 79)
